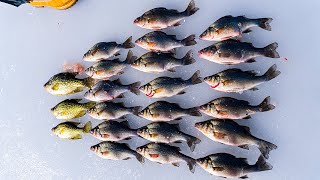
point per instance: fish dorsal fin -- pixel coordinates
(234, 70)
(125, 123)
(246, 128)
(74, 123)
(117, 81)
(225, 17)
(172, 36)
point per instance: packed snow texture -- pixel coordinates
(36, 42)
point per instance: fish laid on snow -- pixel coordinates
(228, 166)
(165, 111)
(230, 108)
(105, 50)
(162, 87)
(231, 133)
(113, 131)
(115, 151)
(105, 69)
(70, 130)
(71, 109)
(67, 83)
(111, 110)
(160, 18)
(109, 90)
(236, 80)
(165, 154)
(158, 41)
(153, 62)
(229, 27)
(235, 52)
(162, 132)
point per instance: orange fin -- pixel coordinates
(219, 135)
(152, 44)
(154, 155)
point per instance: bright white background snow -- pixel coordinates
(34, 43)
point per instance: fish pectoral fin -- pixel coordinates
(128, 138)
(127, 158)
(227, 82)
(219, 135)
(105, 135)
(250, 60)
(55, 87)
(244, 177)
(247, 117)
(105, 153)
(63, 113)
(254, 89)
(99, 72)
(155, 115)
(80, 114)
(172, 70)
(117, 54)
(247, 31)
(78, 89)
(154, 135)
(154, 155)
(217, 168)
(181, 93)
(176, 164)
(152, 44)
(78, 136)
(222, 113)
(177, 24)
(224, 55)
(244, 147)
(159, 90)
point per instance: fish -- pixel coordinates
(106, 50)
(66, 83)
(109, 90)
(71, 109)
(70, 130)
(153, 62)
(237, 80)
(231, 133)
(230, 27)
(231, 108)
(115, 151)
(165, 111)
(106, 69)
(163, 87)
(162, 132)
(165, 154)
(113, 131)
(232, 52)
(158, 41)
(57, 4)
(111, 110)
(228, 166)
(161, 18)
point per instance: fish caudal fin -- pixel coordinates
(16, 3)
(192, 142)
(189, 41)
(195, 78)
(128, 43)
(140, 158)
(188, 58)
(265, 147)
(89, 82)
(271, 51)
(264, 23)
(130, 57)
(136, 110)
(262, 165)
(134, 87)
(191, 163)
(272, 73)
(265, 105)
(87, 127)
(191, 9)
(194, 112)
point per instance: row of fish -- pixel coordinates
(163, 132)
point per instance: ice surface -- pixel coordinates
(34, 43)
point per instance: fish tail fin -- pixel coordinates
(191, 163)
(134, 87)
(262, 164)
(192, 142)
(194, 112)
(195, 78)
(189, 41)
(90, 104)
(265, 147)
(188, 58)
(272, 73)
(264, 23)
(130, 57)
(87, 127)
(191, 9)
(140, 158)
(15, 2)
(136, 110)
(73, 67)
(89, 82)
(271, 51)
(128, 43)
(265, 105)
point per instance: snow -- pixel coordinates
(35, 43)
